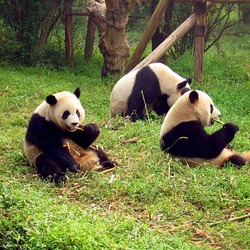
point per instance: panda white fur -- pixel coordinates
(183, 135)
(155, 86)
(54, 124)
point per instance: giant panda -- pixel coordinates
(183, 135)
(54, 132)
(155, 87)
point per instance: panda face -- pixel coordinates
(192, 106)
(204, 108)
(65, 110)
(69, 119)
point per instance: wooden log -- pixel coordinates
(199, 31)
(149, 32)
(68, 33)
(90, 39)
(155, 55)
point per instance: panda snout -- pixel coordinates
(72, 126)
(218, 115)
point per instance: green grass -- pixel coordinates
(153, 202)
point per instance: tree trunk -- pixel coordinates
(90, 39)
(245, 10)
(113, 44)
(111, 17)
(200, 31)
(97, 11)
(68, 32)
(48, 24)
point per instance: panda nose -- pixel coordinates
(74, 123)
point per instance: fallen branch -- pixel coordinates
(230, 220)
(132, 140)
(106, 171)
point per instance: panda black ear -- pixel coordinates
(51, 100)
(189, 80)
(193, 96)
(181, 85)
(77, 92)
(184, 83)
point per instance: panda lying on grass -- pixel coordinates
(155, 87)
(56, 141)
(183, 135)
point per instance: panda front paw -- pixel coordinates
(92, 129)
(85, 137)
(231, 127)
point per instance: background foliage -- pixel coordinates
(32, 32)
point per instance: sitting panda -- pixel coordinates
(155, 87)
(54, 124)
(183, 135)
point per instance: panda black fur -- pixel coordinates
(183, 135)
(55, 121)
(156, 85)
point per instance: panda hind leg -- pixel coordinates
(49, 169)
(161, 106)
(104, 160)
(238, 160)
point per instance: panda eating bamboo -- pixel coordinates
(55, 134)
(183, 135)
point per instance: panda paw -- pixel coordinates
(231, 127)
(92, 129)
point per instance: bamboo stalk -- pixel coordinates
(132, 140)
(230, 220)
(218, 121)
(78, 128)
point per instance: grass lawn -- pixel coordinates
(150, 201)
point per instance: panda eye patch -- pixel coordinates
(78, 113)
(65, 115)
(211, 108)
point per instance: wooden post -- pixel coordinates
(90, 39)
(155, 55)
(199, 31)
(68, 32)
(149, 32)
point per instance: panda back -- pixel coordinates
(121, 92)
(168, 79)
(124, 86)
